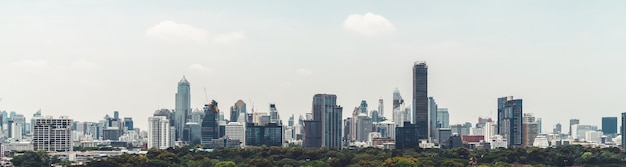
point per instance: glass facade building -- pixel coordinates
(420, 98)
(510, 120)
(210, 129)
(183, 107)
(268, 135)
(609, 125)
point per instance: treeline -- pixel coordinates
(295, 157)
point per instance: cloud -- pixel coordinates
(199, 67)
(303, 71)
(84, 64)
(172, 31)
(231, 37)
(368, 24)
(30, 64)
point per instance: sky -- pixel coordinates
(87, 58)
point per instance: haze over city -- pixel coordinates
(85, 59)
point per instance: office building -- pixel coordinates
(510, 120)
(128, 123)
(192, 134)
(557, 128)
(268, 135)
(325, 129)
(239, 108)
(160, 133)
(572, 122)
(51, 134)
(183, 106)
(210, 129)
(530, 129)
(623, 130)
(364, 127)
(443, 117)
(236, 130)
(407, 136)
(197, 115)
(420, 98)
(274, 116)
(386, 129)
(432, 119)
(381, 109)
(609, 126)
(538, 120)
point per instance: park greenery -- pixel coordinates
(295, 156)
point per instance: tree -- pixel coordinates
(259, 162)
(225, 164)
(30, 158)
(400, 162)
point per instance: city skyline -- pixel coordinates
(93, 58)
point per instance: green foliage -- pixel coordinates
(400, 162)
(30, 158)
(297, 157)
(225, 164)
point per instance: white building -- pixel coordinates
(593, 136)
(18, 131)
(52, 134)
(498, 141)
(541, 142)
(237, 131)
(489, 130)
(579, 131)
(388, 127)
(160, 134)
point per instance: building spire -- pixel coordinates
(183, 81)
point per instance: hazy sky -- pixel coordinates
(86, 58)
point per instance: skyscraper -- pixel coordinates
(363, 107)
(623, 130)
(325, 128)
(381, 108)
(432, 118)
(274, 116)
(420, 99)
(557, 128)
(530, 129)
(398, 112)
(128, 123)
(609, 126)
(183, 107)
(572, 122)
(510, 120)
(160, 133)
(443, 117)
(52, 134)
(236, 110)
(210, 129)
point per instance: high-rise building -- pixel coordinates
(128, 123)
(236, 110)
(268, 135)
(192, 134)
(183, 106)
(432, 119)
(538, 120)
(510, 120)
(52, 134)
(609, 126)
(274, 116)
(160, 134)
(197, 115)
(557, 128)
(572, 122)
(363, 107)
(375, 117)
(381, 109)
(623, 130)
(407, 136)
(530, 129)
(325, 128)
(443, 117)
(364, 127)
(236, 130)
(420, 99)
(398, 112)
(210, 128)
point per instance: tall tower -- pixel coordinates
(510, 120)
(238, 109)
(623, 129)
(398, 108)
(420, 99)
(381, 108)
(432, 118)
(573, 122)
(209, 127)
(183, 107)
(325, 128)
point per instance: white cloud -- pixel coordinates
(231, 37)
(169, 30)
(84, 64)
(303, 71)
(30, 64)
(368, 24)
(199, 67)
